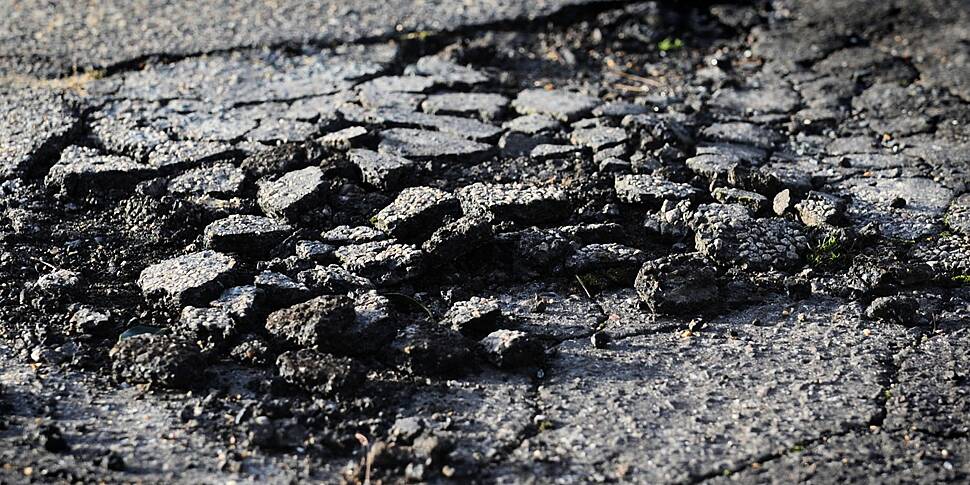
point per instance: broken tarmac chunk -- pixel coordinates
(319, 321)
(332, 280)
(729, 235)
(563, 105)
(219, 180)
(534, 249)
(474, 318)
(546, 151)
(713, 167)
(651, 190)
(281, 289)
(192, 279)
(122, 135)
(432, 145)
(242, 303)
(431, 350)
(36, 125)
(532, 124)
(897, 309)
(315, 251)
(517, 203)
(741, 133)
(157, 360)
(458, 238)
(382, 170)
(958, 215)
(445, 72)
(509, 349)
(417, 212)
(319, 373)
(82, 171)
(819, 208)
(209, 325)
(375, 325)
(344, 139)
(753, 201)
(611, 259)
(245, 234)
(454, 125)
(344, 235)
(599, 138)
(383, 262)
(486, 106)
(282, 158)
(177, 155)
(291, 194)
(398, 84)
(678, 284)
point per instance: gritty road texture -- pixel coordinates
(485, 242)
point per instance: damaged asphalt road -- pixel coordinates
(507, 242)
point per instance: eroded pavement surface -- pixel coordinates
(559, 242)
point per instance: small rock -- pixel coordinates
(242, 303)
(50, 437)
(319, 321)
(333, 280)
(113, 461)
(562, 105)
(425, 145)
(431, 350)
(59, 280)
(292, 194)
(532, 124)
(599, 138)
(445, 72)
(178, 155)
(898, 309)
(474, 318)
(548, 152)
(374, 327)
(315, 251)
(486, 106)
(344, 139)
(678, 284)
(193, 279)
(382, 170)
(819, 209)
(158, 360)
(219, 180)
(281, 288)
(405, 430)
(647, 189)
(753, 201)
(319, 373)
(510, 349)
(252, 350)
(245, 234)
(211, 325)
(610, 259)
(516, 203)
(344, 235)
(458, 238)
(782, 202)
(383, 262)
(87, 320)
(600, 340)
(417, 212)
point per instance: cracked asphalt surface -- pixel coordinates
(562, 241)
